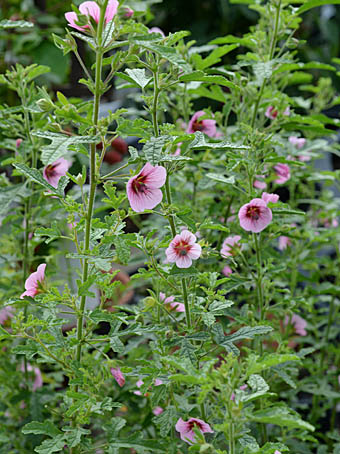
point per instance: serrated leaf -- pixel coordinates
(55, 444)
(270, 360)
(117, 345)
(137, 443)
(169, 53)
(36, 176)
(73, 436)
(188, 351)
(123, 249)
(15, 24)
(280, 416)
(165, 421)
(139, 77)
(248, 332)
(315, 3)
(153, 149)
(41, 428)
(60, 144)
(220, 307)
(200, 143)
(184, 272)
(221, 178)
(4, 334)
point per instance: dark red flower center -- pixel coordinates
(198, 125)
(194, 423)
(254, 213)
(50, 171)
(182, 248)
(138, 184)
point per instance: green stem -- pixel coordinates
(271, 54)
(186, 302)
(231, 439)
(93, 178)
(259, 277)
(155, 103)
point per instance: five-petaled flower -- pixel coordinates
(255, 216)
(178, 307)
(298, 323)
(271, 112)
(183, 249)
(282, 172)
(185, 429)
(91, 9)
(33, 282)
(207, 126)
(229, 245)
(118, 376)
(53, 172)
(143, 189)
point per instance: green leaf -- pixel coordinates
(280, 416)
(220, 307)
(270, 360)
(37, 177)
(41, 428)
(55, 444)
(188, 351)
(200, 76)
(213, 58)
(200, 143)
(4, 334)
(185, 272)
(137, 443)
(60, 144)
(165, 421)
(15, 24)
(258, 386)
(123, 249)
(168, 53)
(117, 345)
(73, 436)
(249, 442)
(248, 332)
(139, 76)
(314, 3)
(153, 149)
(221, 178)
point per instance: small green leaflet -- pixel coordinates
(221, 178)
(60, 144)
(139, 77)
(153, 149)
(41, 428)
(200, 143)
(15, 24)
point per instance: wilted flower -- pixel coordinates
(178, 307)
(206, 126)
(118, 376)
(298, 322)
(229, 245)
(283, 173)
(143, 189)
(255, 215)
(33, 282)
(91, 9)
(185, 429)
(53, 172)
(183, 249)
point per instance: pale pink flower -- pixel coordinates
(284, 242)
(277, 452)
(139, 384)
(157, 411)
(143, 189)
(53, 172)
(157, 30)
(183, 249)
(185, 429)
(118, 376)
(33, 281)
(286, 112)
(227, 271)
(128, 12)
(255, 216)
(38, 381)
(158, 382)
(271, 112)
(273, 198)
(258, 184)
(206, 126)
(298, 142)
(298, 322)
(229, 245)
(178, 307)
(283, 173)
(18, 142)
(91, 9)
(5, 314)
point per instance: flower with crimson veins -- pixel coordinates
(91, 9)
(143, 189)
(206, 126)
(255, 216)
(186, 432)
(53, 172)
(183, 249)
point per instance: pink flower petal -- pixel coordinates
(32, 282)
(255, 216)
(118, 376)
(206, 126)
(72, 18)
(111, 10)
(273, 198)
(195, 251)
(90, 9)
(183, 261)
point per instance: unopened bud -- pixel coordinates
(128, 12)
(45, 104)
(18, 143)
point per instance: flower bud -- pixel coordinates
(45, 104)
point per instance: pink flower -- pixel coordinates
(227, 271)
(242, 388)
(229, 245)
(5, 314)
(53, 172)
(18, 142)
(157, 411)
(118, 376)
(206, 126)
(178, 307)
(298, 142)
(277, 452)
(271, 113)
(91, 9)
(158, 382)
(183, 249)
(259, 184)
(185, 429)
(284, 242)
(286, 112)
(298, 322)
(255, 216)
(143, 189)
(128, 12)
(38, 381)
(33, 281)
(139, 384)
(273, 198)
(283, 173)
(157, 30)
